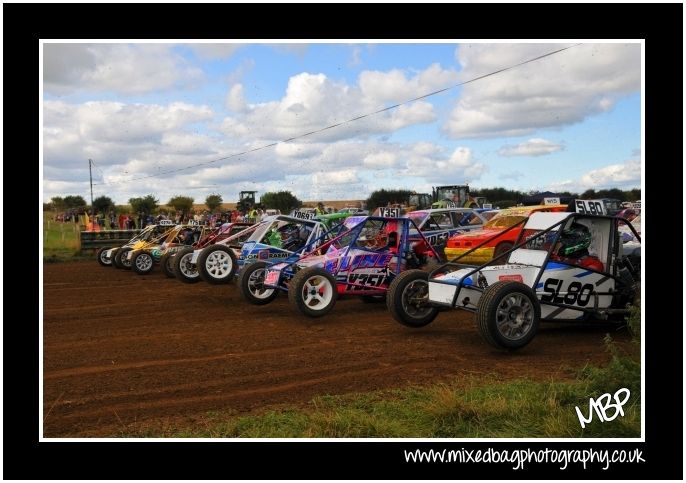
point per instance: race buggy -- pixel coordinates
(362, 260)
(143, 258)
(563, 267)
(105, 255)
(230, 234)
(275, 238)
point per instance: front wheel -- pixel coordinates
(251, 284)
(408, 299)
(313, 291)
(508, 315)
(217, 264)
(102, 257)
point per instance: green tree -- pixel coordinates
(589, 195)
(383, 197)
(57, 203)
(144, 205)
(634, 194)
(213, 202)
(184, 204)
(74, 201)
(284, 201)
(103, 204)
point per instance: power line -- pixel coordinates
(332, 126)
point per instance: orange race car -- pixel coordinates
(497, 245)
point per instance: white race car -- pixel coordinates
(564, 266)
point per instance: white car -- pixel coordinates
(547, 277)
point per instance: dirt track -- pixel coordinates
(123, 350)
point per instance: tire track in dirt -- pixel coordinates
(123, 349)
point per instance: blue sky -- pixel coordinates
(145, 112)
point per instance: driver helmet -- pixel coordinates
(575, 239)
(289, 235)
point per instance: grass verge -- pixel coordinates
(472, 408)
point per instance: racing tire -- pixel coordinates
(102, 259)
(251, 284)
(500, 249)
(167, 265)
(184, 270)
(408, 299)
(508, 315)
(142, 263)
(120, 258)
(217, 264)
(313, 291)
(113, 257)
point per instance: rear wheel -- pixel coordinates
(313, 291)
(102, 257)
(508, 315)
(124, 260)
(167, 265)
(217, 264)
(117, 260)
(251, 284)
(408, 299)
(184, 270)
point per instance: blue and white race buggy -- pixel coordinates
(362, 260)
(546, 277)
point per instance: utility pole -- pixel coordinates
(90, 172)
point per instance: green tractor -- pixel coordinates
(246, 201)
(455, 196)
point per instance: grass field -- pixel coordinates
(60, 240)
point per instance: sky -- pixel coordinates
(196, 119)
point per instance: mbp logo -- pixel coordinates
(602, 405)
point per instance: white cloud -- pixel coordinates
(313, 101)
(434, 166)
(562, 89)
(296, 49)
(627, 175)
(335, 177)
(532, 147)
(120, 68)
(394, 86)
(383, 159)
(215, 51)
(235, 99)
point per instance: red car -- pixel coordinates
(462, 243)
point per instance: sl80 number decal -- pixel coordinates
(590, 207)
(575, 293)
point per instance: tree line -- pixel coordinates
(285, 201)
(501, 197)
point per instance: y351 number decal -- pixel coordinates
(576, 293)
